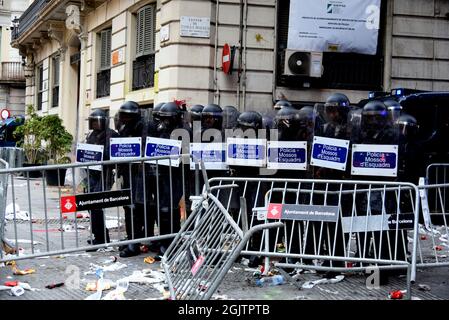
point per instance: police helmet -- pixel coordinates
(374, 115)
(394, 108)
(408, 126)
(230, 116)
(281, 104)
(169, 116)
(249, 120)
(129, 113)
(212, 117)
(195, 112)
(98, 120)
(336, 108)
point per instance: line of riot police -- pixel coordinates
(158, 192)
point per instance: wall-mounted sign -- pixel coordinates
(164, 33)
(196, 27)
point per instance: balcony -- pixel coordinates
(12, 72)
(28, 18)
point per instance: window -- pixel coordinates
(341, 70)
(40, 86)
(143, 65)
(55, 88)
(104, 73)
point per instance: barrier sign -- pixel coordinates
(126, 148)
(96, 200)
(212, 154)
(287, 155)
(404, 221)
(374, 160)
(246, 152)
(158, 147)
(89, 153)
(302, 212)
(330, 153)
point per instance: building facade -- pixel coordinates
(12, 79)
(82, 55)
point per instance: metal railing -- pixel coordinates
(343, 226)
(149, 203)
(12, 71)
(28, 18)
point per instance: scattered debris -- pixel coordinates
(438, 248)
(23, 241)
(149, 260)
(219, 297)
(424, 287)
(17, 214)
(17, 291)
(397, 294)
(311, 284)
(112, 259)
(54, 285)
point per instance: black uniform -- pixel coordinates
(132, 125)
(99, 181)
(169, 218)
(336, 110)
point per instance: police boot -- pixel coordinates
(131, 250)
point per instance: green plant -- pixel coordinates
(44, 139)
(29, 137)
(58, 142)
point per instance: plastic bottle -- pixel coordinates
(270, 281)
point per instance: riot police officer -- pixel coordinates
(377, 128)
(168, 215)
(248, 125)
(132, 125)
(335, 125)
(230, 116)
(100, 135)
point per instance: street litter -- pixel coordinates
(54, 285)
(424, 287)
(149, 260)
(18, 215)
(17, 291)
(146, 276)
(101, 284)
(94, 268)
(109, 249)
(438, 248)
(17, 271)
(119, 292)
(71, 228)
(111, 259)
(24, 241)
(397, 294)
(311, 284)
(220, 297)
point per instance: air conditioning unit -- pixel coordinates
(300, 63)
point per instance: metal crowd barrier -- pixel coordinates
(203, 251)
(367, 223)
(41, 227)
(433, 241)
(3, 194)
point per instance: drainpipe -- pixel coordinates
(245, 23)
(239, 68)
(275, 53)
(216, 89)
